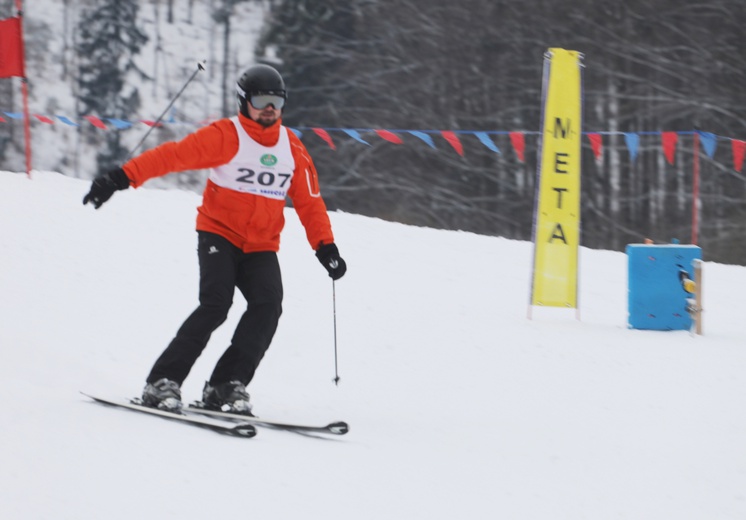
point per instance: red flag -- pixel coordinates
(96, 122)
(44, 119)
(11, 48)
(739, 150)
(596, 144)
(454, 141)
(325, 136)
(669, 145)
(389, 136)
(518, 140)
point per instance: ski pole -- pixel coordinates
(334, 307)
(200, 67)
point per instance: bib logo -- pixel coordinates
(268, 159)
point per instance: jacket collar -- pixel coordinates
(265, 136)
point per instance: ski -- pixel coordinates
(241, 429)
(334, 428)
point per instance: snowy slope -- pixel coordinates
(459, 406)
(168, 59)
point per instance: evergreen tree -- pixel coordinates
(109, 41)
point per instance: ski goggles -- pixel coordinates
(263, 100)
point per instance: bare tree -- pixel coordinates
(650, 66)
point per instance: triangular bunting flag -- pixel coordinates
(518, 140)
(356, 136)
(669, 140)
(44, 119)
(423, 137)
(485, 140)
(119, 123)
(325, 136)
(96, 122)
(596, 144)
(739, 148)
(67, 121)
(389, 136)
(454, 141)
(633, 145)
(709, 143)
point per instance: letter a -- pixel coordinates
(558, 233)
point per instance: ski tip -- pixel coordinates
(93, 397)
(244, 430)
(339, 427)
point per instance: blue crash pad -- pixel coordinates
(657, 299)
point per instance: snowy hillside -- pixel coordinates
(52, 31)
(459, 406)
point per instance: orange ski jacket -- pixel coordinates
(250, 222)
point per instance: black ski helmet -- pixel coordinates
(258, 79)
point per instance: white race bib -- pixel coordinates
(260, 170)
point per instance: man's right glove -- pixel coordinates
(328, 255)
(104, 186)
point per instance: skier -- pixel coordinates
(255, 164)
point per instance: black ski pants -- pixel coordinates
(223, 267)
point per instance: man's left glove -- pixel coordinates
(328, 255)
(104, 186)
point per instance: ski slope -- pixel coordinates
(459, 406)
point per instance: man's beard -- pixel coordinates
(265, 122)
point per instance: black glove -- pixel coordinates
(328, 255)
(104, 186)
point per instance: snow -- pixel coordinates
(459, 406)
(168, 59)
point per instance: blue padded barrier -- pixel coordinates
(657, 299)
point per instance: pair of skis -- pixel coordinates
(224, 422)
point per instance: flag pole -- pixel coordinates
(695, 190)
(26, 125)
(24, 91)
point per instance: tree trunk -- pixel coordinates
(226, 59)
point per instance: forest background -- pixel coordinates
(415, 68)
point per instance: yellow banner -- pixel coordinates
(557, 214)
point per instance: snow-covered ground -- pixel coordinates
(165, 63)
(459, 406)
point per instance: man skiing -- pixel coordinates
(255, 163)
